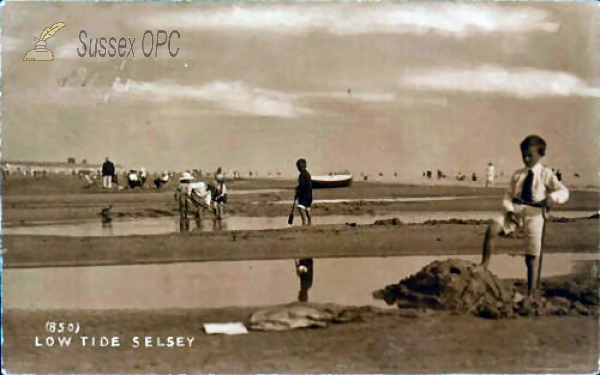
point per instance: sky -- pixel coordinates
(369, 88)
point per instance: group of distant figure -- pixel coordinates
(490, 175)
(134, 178)
(190, 194)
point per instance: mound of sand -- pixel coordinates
(456, 221)
(466, 288)
(454, 285)
(393, 221)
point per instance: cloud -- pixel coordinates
(66, 50)
(523, 83)
(365, 97)
(371, 97)
(232, 96)
(240, 98)
(10, 44)
(456, 20)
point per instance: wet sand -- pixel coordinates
(579, 236)
(390, 341)
(170, 225)
(28, 201)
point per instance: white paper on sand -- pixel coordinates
(235, 328)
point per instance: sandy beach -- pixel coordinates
(384, 340)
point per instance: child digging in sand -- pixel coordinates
(304, 267)
(532, 189)
(220, 195)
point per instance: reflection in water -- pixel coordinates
(107, 226)
(218, 225)
(197, 224)
(347, 281)
(107, 219)
(164, 225)
(305, 271)
(184, 225)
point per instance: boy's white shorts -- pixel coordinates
(531, 219)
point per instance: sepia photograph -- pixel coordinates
(315, 187)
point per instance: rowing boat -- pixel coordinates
(331, 181)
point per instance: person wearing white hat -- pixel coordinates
(181, 194)
(192, 192)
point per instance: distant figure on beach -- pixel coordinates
(532, 189)
(429, 174)
(133, 180)
(303, 197)
(440, 174)
(559, 175)
(474, 177)
(489, 175)
(108, 172)
(143, 176)
(162, 180)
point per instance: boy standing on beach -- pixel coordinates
(532, 189)
(304, 192)
(304, 267)
(220, 198)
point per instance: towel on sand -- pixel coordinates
(303, 315)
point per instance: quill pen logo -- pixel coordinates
(40, 52)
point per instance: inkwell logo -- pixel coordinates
(40, 52)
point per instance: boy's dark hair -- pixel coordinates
(536, 141)
(301, 161)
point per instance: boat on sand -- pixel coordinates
(331, 181)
